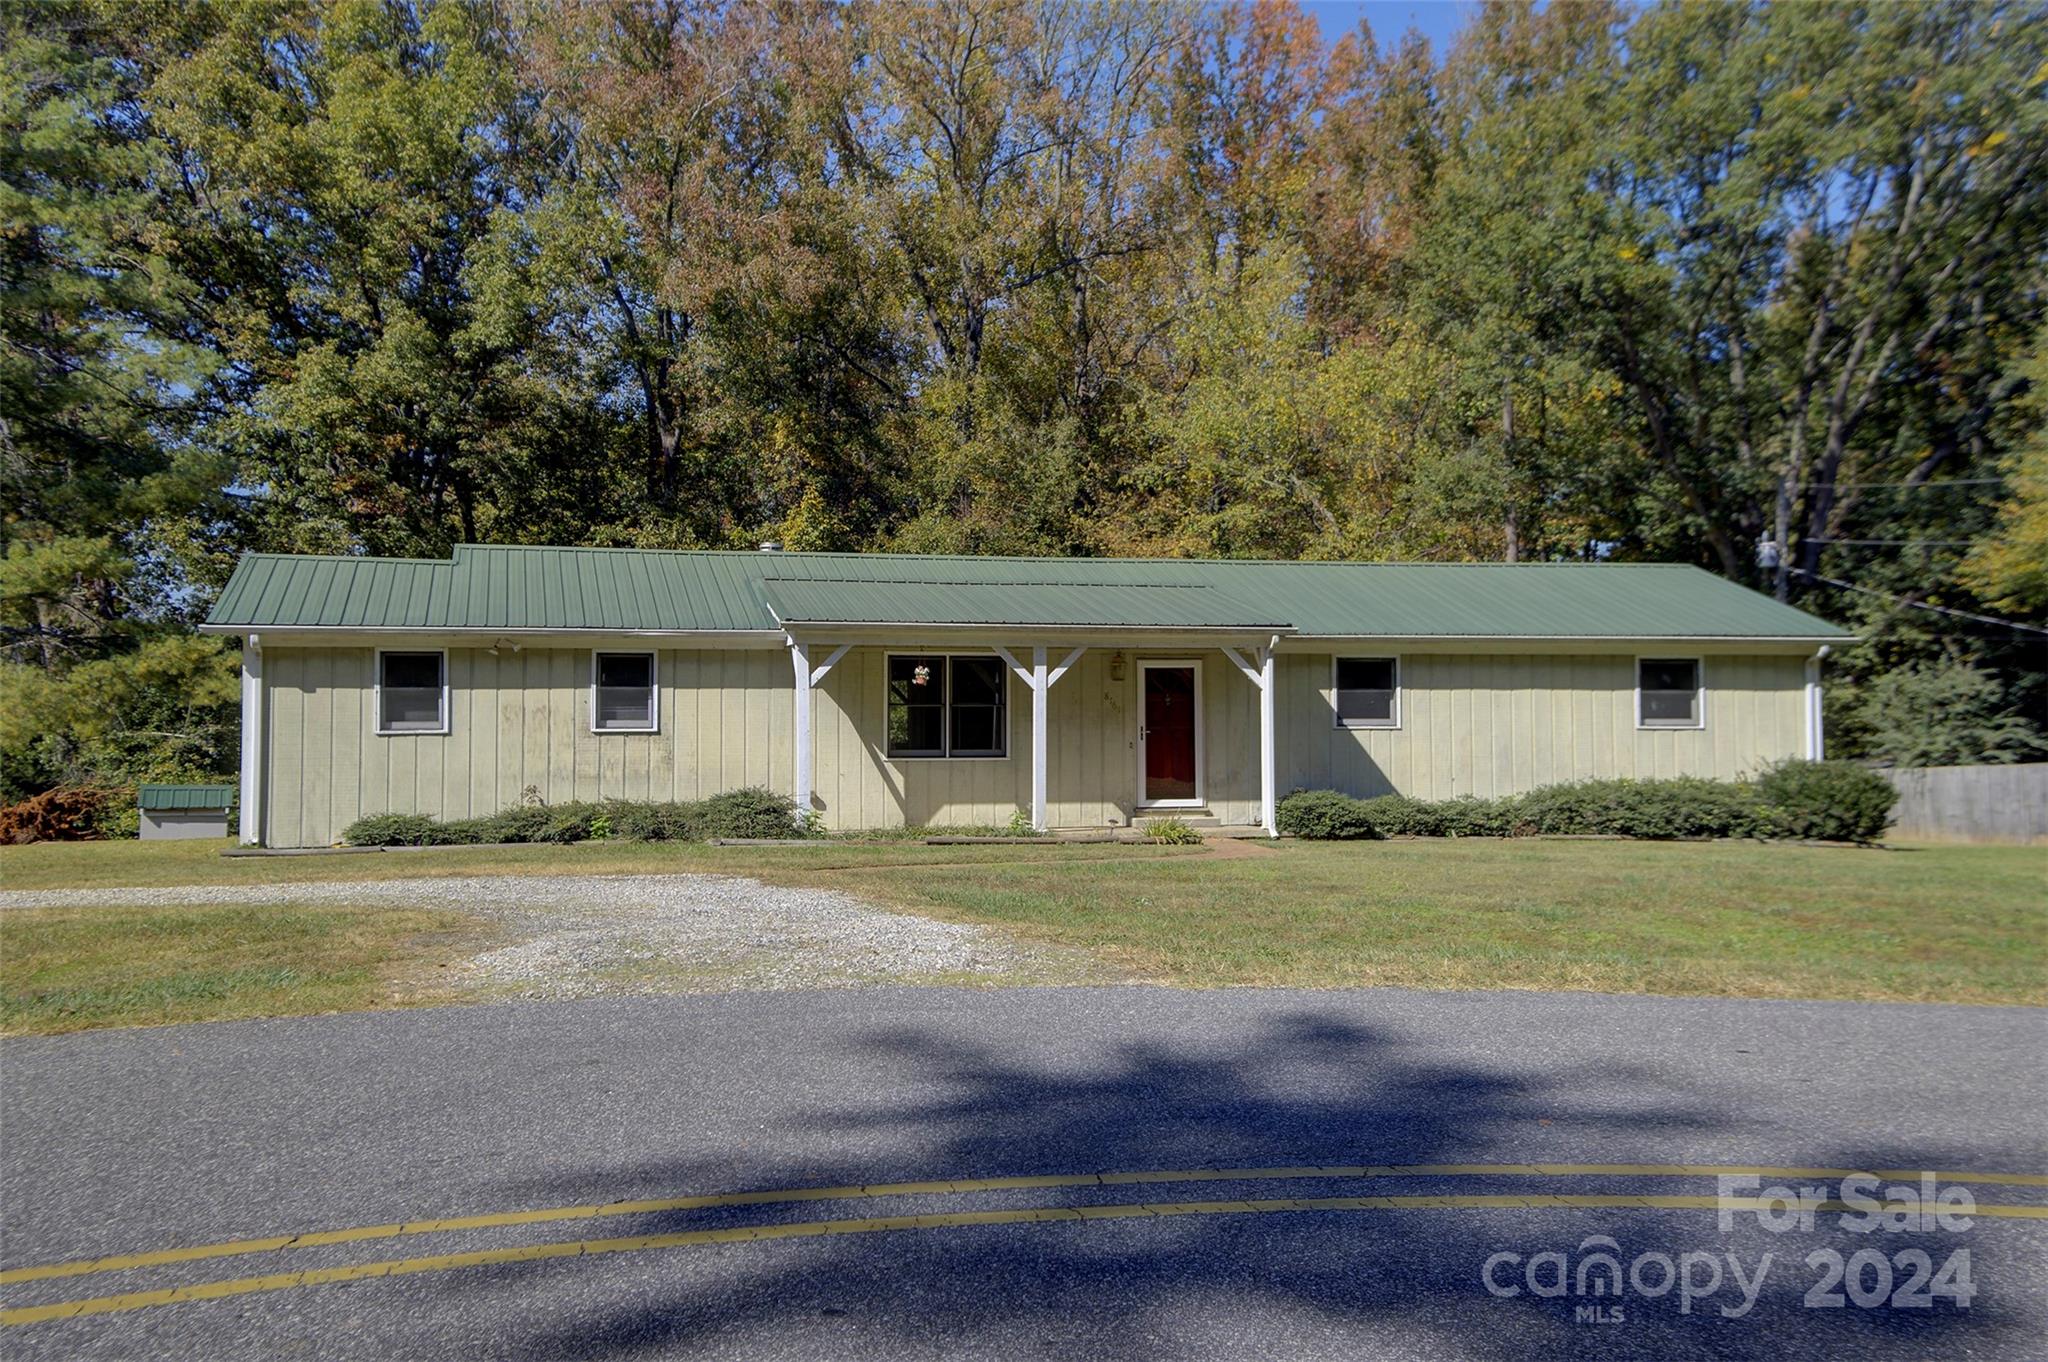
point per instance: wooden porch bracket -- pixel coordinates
(1262, 675)
(807, 676)
(1040, 680)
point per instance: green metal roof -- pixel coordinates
(1090, 605)
(512, 589)
(160, 798)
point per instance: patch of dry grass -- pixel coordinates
(103, 865)
(69, 969)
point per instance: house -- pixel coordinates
(880, 690)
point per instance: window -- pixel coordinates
(942, 706)
(622, 694)
(1668, 693)
(977, 728)
(1366, 692)
(412, 692)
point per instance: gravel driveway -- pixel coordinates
(581, 936)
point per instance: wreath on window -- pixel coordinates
(920, 675)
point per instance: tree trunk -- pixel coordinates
(1512, 527)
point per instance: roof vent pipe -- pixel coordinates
(771, 546)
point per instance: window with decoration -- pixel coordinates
(946, 706)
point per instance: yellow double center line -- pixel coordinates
(877, 1224)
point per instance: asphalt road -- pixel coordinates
(144, 1141)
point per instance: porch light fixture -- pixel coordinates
(1116, 666)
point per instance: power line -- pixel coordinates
(1942, 543)
(1937, 482)
(1922, 605)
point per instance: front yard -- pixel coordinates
(1737, 919)
(1916, 923)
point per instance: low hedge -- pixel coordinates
(1826, 801)
(1831, 801)
(734, 813)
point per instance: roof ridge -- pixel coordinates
(348, 558)
(939, 581)
(871, 554)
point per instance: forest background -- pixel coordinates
(1754, 287)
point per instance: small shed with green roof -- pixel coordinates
(179, 811)
(890, 689)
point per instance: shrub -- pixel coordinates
(736, 813)
(1173, 832)
(1471, 816)
(1651, 809)
(646, 822)
(69, 813)
(751, 812)
(1400, 816)
(567, 822)
(522, 823)
(1831, 801)
(1325, 815)
(395, 830)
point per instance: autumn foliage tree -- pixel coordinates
(1757, 287)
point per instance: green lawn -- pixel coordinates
(1916, 923)
(99, 865)
(1920, 923)
(67, 969)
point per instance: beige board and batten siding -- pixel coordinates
(1480, 724)
(516, 719)
(1488, 725)
(1091, 749)
(520, 719)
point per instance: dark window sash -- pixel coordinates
(942, 708)
(1366, 706)
(1661, 704)
(412, 707)
(619, 705)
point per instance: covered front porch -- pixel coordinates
(951, 728)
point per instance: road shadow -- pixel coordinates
(1295, 1088)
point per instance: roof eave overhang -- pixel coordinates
(1660, 639)
(483, 632)
(890, 631)
(1011, 630)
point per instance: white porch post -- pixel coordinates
(1038, 689)
(1268, 702)
(252, 741)
(800, 661)
(807, 677)
(1041, 681)
(1264, 677)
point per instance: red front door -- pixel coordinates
(1170, 733)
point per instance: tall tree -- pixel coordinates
(99, 485)
(337, 174)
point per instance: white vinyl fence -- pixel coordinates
(1972, 803)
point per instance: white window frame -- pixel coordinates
(377, 695)
(946, 710)
(1700, 670)
(1337, 719)
(653, 657)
